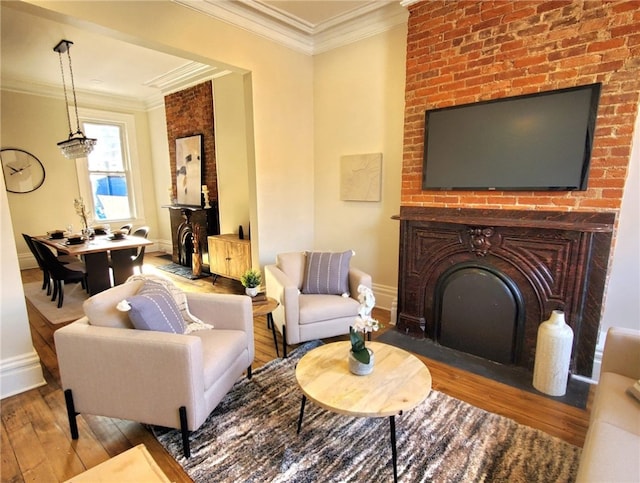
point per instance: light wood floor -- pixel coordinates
(36, 444)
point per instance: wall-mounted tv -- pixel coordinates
(531, 142)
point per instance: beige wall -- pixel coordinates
(161, 176)
(20, 365)
(230, 117)
(359, 109)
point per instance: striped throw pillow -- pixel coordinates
(327, 273)
(154, 308)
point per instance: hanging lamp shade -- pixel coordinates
(77, 145)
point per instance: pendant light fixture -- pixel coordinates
(78, 145)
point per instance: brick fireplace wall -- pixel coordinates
(467, 51)
(190, 112)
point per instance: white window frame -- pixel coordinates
(131, 161)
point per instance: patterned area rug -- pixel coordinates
(181, 271)
(251, 437)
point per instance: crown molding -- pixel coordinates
(84, 97)
(292, 32)
(186, 76)
(353, 30)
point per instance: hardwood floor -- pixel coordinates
(36, 444)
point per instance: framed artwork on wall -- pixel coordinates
(189, 169)
(361, 177)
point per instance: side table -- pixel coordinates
(266, 308)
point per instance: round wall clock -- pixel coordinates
(23, 172)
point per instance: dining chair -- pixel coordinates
(60, 273)
(46, 279)
(127, 227)
(138, 255)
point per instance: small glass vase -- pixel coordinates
(357, 367)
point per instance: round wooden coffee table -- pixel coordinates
(399, 382)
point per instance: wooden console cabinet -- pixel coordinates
(229, 256)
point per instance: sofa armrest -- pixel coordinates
(142, 375)
(622, 352)
(223, 311)
(356, 278)
(281, 288)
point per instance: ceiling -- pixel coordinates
(133, 72)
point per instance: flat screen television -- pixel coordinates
(537, 142)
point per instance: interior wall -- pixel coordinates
(161, 175)
(190, 112)
(359, 109)
(20, 368)
(476, 51)
(231, 153)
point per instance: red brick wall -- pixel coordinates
(467, 51)
(190, 112)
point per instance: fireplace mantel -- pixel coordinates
(556, 259)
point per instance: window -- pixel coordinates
(108, 173)
(107, 177)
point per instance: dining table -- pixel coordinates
(99, 254)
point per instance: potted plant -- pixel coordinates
(360, 357)
(251, 280)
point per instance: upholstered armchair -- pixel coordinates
(110, 368)
(318, 296)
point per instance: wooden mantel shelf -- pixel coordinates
(592, 222)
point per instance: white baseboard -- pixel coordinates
(385, 296)
(20, 373)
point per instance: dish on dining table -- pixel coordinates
(75, 240)
(56, 234)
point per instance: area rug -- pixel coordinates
(181, 271)
(251, 437)
(74, 296)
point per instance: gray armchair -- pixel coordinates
(303, 317)
(108, 368)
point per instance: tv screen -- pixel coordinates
(537, 142)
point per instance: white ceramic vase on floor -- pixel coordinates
(553, 355)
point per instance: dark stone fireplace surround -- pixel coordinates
(557, 260)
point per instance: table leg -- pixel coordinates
(304, 400)
(122, 265)
(394, 453)
(97, 265)
(273, 331)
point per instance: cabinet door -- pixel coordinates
(218, 256)
(239, 259)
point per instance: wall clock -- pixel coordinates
(23, 172)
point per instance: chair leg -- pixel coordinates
(71, 413)
(284, 342)
(249, 375)
(56, 284)
(184, 429)
(61, 294)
